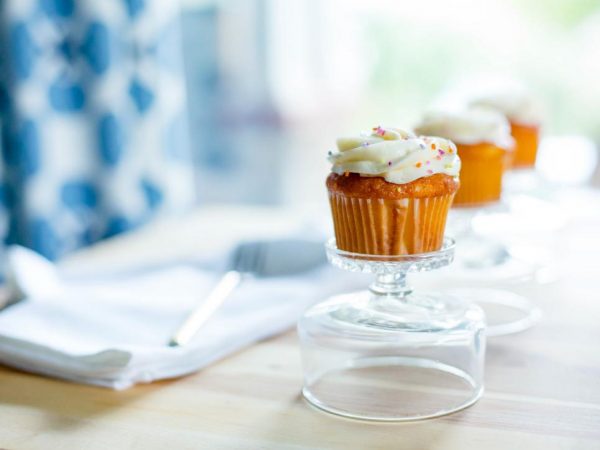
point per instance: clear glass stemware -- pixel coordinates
(390, 353)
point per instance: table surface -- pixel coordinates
(542, 385)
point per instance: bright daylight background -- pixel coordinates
(117, 112)
(272, 83)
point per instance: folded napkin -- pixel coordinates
(112, 331)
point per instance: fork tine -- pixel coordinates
(241, 257)
(236, 258)
(261, 258)
(246, 257)
(255, 260)
(250, 257)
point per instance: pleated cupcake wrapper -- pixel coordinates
(526, 140)
(389, 227)
(480, 181)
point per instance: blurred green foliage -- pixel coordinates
(551, 45)
(567, 13)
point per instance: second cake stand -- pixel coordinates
(483, 264)
(388, 353)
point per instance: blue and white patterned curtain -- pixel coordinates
(92, 110)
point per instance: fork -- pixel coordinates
(247, 259)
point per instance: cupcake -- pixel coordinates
(390, 191)
(484, 143)
(522, 112)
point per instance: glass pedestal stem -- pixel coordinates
(391, 285)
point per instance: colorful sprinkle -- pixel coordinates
(438, 157)
(422, 146)
(364, 144)
(441, 152)
(450, 150)
(419, 164)
(389, 163)
(427, 162)
(379, 131)
(433, 146)
(429, 171)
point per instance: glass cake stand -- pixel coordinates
(388, 353)
(483, 254)
(484, 263)
(530, 226)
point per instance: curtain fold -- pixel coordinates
(93, 117)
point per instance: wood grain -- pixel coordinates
(542, 392)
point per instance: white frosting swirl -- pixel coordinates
(396, 155)
(468, 126)
(514, 101)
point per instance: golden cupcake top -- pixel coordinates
(396, 155)
(468, 126)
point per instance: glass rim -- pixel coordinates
(448, 246)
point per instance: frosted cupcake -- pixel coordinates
(523, 113)
(484, 143)
(390, 191)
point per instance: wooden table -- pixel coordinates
(542, 386)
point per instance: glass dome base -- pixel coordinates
(388, 353)
(389, 388)
(368, 358)
(364, 315)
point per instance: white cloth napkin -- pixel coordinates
(112, 332)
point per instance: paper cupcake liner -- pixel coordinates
(526, 145)
(389, 227)
(480, 181)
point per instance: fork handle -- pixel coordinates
(188, 329)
